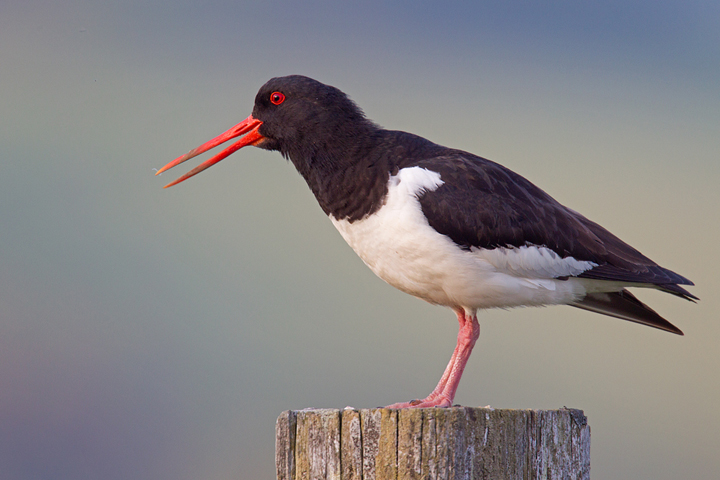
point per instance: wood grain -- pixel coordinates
(458, 443)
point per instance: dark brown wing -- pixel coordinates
(485, 205)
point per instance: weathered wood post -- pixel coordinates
(458, 443)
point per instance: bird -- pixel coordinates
(441, 224)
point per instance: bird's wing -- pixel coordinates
(485, 205)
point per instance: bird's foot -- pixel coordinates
(430, 402)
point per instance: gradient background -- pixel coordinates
(157, 334)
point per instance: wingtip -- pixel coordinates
(678, 291)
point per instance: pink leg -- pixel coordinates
(462, 320)
(444, 393)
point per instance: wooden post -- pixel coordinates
(458, 443)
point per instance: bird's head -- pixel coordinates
(295, 115)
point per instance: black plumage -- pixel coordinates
(456, 215)
(347, 161)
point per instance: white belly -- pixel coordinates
(399, 246)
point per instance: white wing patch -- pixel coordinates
(533, 262)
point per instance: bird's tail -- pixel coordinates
(626, 306)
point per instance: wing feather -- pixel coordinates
(485, 205)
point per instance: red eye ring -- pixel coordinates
(276, 98)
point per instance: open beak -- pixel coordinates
(248, 127)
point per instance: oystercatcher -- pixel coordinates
(441, 224)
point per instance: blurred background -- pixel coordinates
(157, 334)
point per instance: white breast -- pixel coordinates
(399, 246)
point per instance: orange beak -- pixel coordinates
(248, 127)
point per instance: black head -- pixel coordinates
(302, 117)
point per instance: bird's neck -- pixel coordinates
(349, 174)
(345, 172)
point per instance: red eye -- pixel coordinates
(276, 98)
